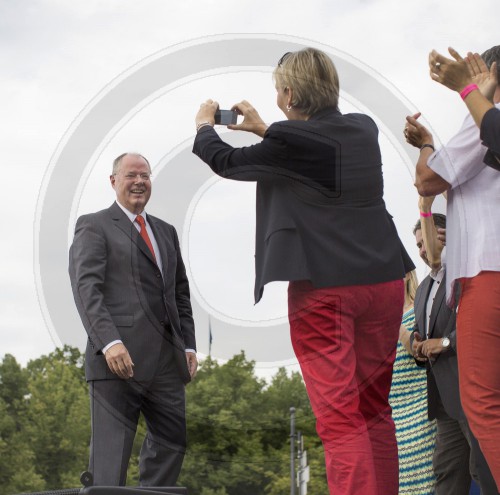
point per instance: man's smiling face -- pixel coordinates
(132, 183)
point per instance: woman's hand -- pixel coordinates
(415, 133)
(453, 74)
(459, 73)
(206, 113)
(251, 119)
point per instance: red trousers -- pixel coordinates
(478, 347)
(345, 341)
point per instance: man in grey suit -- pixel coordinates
(132, 293)
(457, 454)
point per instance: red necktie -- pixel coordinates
(144, 234)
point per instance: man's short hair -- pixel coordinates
(439, 222)
(493, 55)
(117, 161)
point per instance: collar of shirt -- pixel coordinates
(437, 276)
(130, 215)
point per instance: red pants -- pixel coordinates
(345, 341)
(478, 346)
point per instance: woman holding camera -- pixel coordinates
(322, 225)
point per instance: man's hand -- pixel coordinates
(119, 361)
(417, 346)
(486, 79)
(431, 348)
(192, 363)
(442, 235)
(415, 133)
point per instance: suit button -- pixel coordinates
(162, 323)
(158, 275)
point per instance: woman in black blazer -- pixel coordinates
(322, 225)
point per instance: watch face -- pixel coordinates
(445, 342)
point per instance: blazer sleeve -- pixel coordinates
(183, 298)
(259, 162)
(490, 136)
(87, 268)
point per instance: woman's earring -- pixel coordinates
(288, 108)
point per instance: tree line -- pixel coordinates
(238, 428)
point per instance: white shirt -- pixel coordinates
(473, 206)
(437, 278)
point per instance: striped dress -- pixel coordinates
(415, 434)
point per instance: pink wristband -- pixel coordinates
(467, 90)
(426, 214)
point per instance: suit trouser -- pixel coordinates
(345, 341)
(478, 346)
(115, 409)
(458, 458)
(452, 462)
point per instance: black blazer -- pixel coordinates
(490, 136)
(121, 295)
(442, 374)
(320, 209)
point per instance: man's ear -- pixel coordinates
(112, 180)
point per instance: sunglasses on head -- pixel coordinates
(283, 58)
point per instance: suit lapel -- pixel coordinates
(421, 303)
(123, 223)
(162, 242)
(438, 302)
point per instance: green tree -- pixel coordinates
(17, 459)
(58, 417)
(284, 392)
(239, 427)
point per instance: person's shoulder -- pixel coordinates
(360, 119)
(160, 222)
(98, 217)
(284, 126)
(425, 281)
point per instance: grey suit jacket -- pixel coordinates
(442, 374)
(120, 292)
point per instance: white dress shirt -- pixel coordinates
(473, 206)
(437, 278)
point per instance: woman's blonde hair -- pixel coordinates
(411, 284)
(313, 78)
